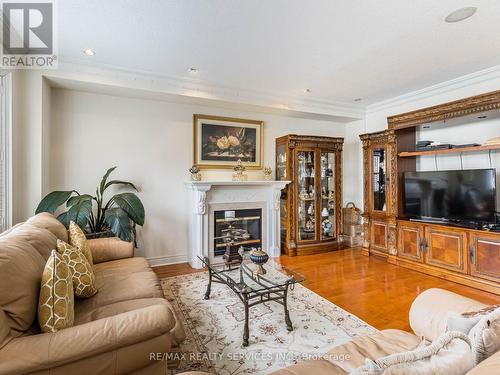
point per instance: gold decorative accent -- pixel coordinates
(239, 172)
(195, 173)
(458, 108)
(56, 302)
(82, 274)
(77, 239)
(268, 173)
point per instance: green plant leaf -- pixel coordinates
(63, 218)
(80, 213)
(53, 200)
(118, 182)
(105, 178)
(76, 199)
(119, 222)
(132, 205)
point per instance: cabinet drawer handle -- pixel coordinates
(472, 253)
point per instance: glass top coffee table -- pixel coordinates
(252, 288)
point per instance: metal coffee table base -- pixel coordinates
(250, 298)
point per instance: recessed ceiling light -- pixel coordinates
(89, 52)
(482, 117)
(307, 91)
(192, 70)
(358, 99)
(460, 14)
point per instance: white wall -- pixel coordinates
(27, 164)
(151, 142)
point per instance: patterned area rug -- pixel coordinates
(214, 328)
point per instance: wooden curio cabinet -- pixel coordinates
(311, 205)
(380, 189)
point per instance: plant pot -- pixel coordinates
(104, 234)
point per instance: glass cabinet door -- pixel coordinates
(281, 162)
(327, 200)
(379, 179)
(306, 214)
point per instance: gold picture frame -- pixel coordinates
(219, 142)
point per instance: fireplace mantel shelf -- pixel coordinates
(236, 183)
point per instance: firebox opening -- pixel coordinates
(237, 228)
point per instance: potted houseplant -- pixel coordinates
(117, 216)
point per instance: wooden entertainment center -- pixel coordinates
(467, 256)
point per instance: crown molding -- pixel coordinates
(197, 88)
(438, 89)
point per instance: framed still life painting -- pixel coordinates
(219, 142)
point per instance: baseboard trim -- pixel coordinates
(166, 260)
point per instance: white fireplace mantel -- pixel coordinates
(206, 196)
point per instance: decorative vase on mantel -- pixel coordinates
(239, 172)
(195, 173)
(268, 174)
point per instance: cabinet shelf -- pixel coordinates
(406, 154)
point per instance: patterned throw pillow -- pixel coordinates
(485, 336)
(83, 275)
(56, 302)
(77, 239)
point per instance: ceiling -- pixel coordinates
(339, 49)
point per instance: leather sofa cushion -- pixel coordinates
(47, 221)
(4, 329)
(113, 309)
(489, 366)
(21, 267)
(345, 358)
(116, 286)
(121, 266)
(105, 346)
(41, 239)
(177, 332)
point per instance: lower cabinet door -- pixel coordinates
(379, 236)
(485, 256)
(410, 241)
(446, 248)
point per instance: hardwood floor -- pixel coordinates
(372, 289)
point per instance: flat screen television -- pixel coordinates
(457, 196)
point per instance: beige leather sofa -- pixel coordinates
(114, 332)
(428, 316)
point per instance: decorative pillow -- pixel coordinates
(485, 336)
(77, 239)
(459, 322)
(56, 302)
(83, 275)
(449, 354)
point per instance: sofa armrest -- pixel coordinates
(429, 311)
(107, 249)
(40, 352)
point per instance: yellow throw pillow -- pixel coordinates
(56, 303)
(83, 275)
(77, 239)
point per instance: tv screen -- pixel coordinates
(466, 195)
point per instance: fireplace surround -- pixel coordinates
(208, 198)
